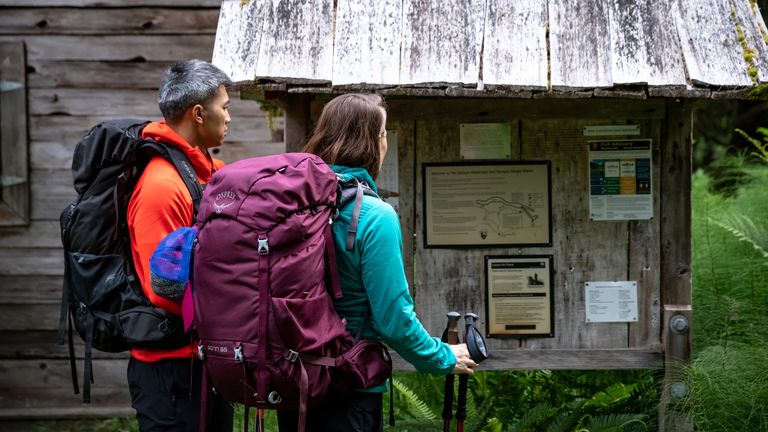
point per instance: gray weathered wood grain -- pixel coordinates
(108, 21)
(579, 38)
(530, 359)
(515, 45)
(37, 235)
(29, 317)
(576, 240)
(84, 74)
(675, 249)
(29, 261)
(42, 345)
(713, 54)
(645, 257)
(644, 44)
(238, 39)
(407, 201)
(33, 289)
(47, 383)
(297, 40)
(441, 41)
(51, 191)
(137, 48)
(367, 42)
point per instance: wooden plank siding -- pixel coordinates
(369, 33)
(87, 61)
(583, 250)
(515, 44)
(297, 39)
(71, 21)
(580, 59)
(645, 48)
(719, 42)
(554, 47)
(441, 41)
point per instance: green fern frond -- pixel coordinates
(610, 396)
(535, 416)
(493, 425)
(476, 421)
(612, 422)
(561, 423)
(417, 407)
(744, 229)
(762, 147)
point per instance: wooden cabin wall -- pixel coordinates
(655, 252)
(87, 61)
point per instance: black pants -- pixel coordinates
(166, 397)
(354, 412)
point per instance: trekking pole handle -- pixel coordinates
(451, 333)
(478, 351)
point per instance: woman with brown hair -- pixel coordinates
(351, 137)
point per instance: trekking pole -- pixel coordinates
(478, 352)
(451, 337)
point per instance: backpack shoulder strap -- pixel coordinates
(353, 190)
(183, 166)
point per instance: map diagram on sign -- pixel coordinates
(487, 204)
(504, 216)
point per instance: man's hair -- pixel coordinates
(348, 132)
(187, 83)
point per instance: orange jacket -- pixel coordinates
(159, 205)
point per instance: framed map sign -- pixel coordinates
(487, 204)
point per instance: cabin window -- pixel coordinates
(14, 167)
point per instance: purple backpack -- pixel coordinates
(263, 269)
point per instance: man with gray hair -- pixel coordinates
(165, 384)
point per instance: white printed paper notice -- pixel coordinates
(611, 301)
(485, 140)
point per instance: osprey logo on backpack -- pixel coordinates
(224, 200)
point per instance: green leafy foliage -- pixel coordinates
(542, 400)
(728, 377)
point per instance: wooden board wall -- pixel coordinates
(583, 250)
(87, 61)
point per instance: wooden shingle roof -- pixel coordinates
(519, 48)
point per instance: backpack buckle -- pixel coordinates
(239, 354)
(200, 353)
(292, 356)
(263, 246)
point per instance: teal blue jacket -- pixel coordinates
(373, 273)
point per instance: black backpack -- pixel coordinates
(102, 296)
